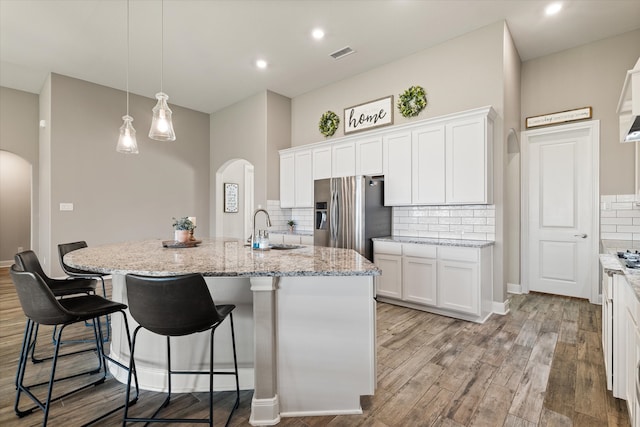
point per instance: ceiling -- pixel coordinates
(210, 46)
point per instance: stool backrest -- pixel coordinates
(28, 261)
(37, 301)
(171, 306)
(65, 248)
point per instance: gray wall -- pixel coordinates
(118, 197)
(512, 75)
(253, 129)
(460, 74)
(15, 206)
(19, 135)
(589, 75)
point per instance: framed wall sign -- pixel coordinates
(370, 115)
(560, 117)
(230, 197)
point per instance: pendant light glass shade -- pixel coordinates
(161, 125)
(127, 141)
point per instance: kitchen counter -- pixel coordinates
(219, 257)
(304, 319)
(436, 241)
(611, 264)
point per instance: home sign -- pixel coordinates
(370, 115)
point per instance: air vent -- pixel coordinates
(342, 53)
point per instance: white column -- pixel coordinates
(265, 408)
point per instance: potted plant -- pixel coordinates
(182, 229)
(292, 224)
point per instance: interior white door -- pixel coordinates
(561, 210)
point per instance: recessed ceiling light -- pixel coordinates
(553, 8)
(317, 33)
(261, 63)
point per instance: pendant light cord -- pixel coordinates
(128, 57)
(161, 45)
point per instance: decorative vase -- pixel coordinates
(291, 228)
(181, 236)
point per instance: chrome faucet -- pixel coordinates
(253, 236)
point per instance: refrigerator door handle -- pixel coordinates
(334, 218)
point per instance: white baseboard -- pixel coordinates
(7, 263)
(501, 307)
(514, 288)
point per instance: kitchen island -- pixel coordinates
(305, 322)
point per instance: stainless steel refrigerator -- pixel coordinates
(349, 211)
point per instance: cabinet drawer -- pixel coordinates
(454, 253)
(422, 251)
(291, 239)
(306, 240)
(390, 248)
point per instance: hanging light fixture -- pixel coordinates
(161, 125)
(127, 140)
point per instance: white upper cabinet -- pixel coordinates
(445, 160)
(396, 159)
(322, 163)
(468, 165)
(296, 179)
(343, 159)
(369, 156)
(428, 165)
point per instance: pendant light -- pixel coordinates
(161, 125)
(127, 140)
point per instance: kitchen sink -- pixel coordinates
(282, 247)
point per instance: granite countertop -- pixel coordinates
(436, 241)
(219, 257)
(611, 264)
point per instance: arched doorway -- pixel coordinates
(234, 224)
(15, 206)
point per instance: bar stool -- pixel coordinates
(65, 248)
(28, 261)
(177, 306)
(40, 306)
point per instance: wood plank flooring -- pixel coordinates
(540, 365)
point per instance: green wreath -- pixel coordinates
(329, 123)
(412, 101)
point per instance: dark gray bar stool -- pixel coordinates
(41, 307)
(178, 306)
(65, 248)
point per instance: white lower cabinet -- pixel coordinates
(291, 239)
(453, 281)
(626, 345)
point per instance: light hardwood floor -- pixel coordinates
(539, 365)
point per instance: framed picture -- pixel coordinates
(230, 197)
(372, 114)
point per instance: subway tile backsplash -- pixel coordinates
(620, 217)
(473, 222)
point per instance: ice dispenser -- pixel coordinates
(321, 215)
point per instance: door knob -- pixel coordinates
(584, 236)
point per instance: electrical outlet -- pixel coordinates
(66, 206)
(20, 249)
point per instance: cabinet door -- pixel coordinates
(303, 179)
(419, 280)
(428, 161)
(306, 240)
(322, 163)
(287, 180)
(458, 286)
(343, 160)
(389, 284)
(466, 161)
(369, 156)
(397, 168)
